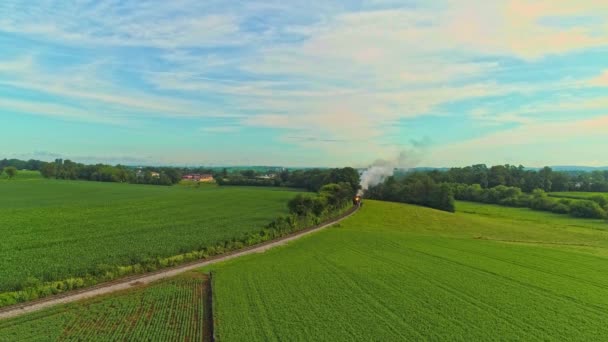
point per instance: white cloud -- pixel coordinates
(84, 85)
(146, 24)
(341, 76)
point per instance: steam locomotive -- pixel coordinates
(357, 200)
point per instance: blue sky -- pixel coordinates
(305, 83)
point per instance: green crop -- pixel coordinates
(169, 310)
(397, 272)
(392, 272)
(53, 230)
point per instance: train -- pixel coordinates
(357, 201)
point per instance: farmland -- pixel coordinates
(578, 194)
(391, 272)
(400, 272)
(170, 310)
(23, 175)
(53, 230)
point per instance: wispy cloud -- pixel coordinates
(58, 111)
(556, 139)
(601, 80)
(330, 77)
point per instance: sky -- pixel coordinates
(305, 83)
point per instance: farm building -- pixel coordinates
(195, 177)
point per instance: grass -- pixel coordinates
(170, 310)
(53, 230)
(399, 272)
(22, 175)
(577, 195)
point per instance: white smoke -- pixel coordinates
(375, 175)
(381, 169)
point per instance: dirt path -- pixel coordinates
(137, 280)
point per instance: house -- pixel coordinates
(206, 178)
(155, 174)
(195, 177)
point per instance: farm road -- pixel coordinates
(142, 279)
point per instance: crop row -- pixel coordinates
(169, 310)
(63, 235)
(396, 272)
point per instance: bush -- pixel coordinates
(560, 208)
(599, 199)
(587, 209)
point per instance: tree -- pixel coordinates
(442, 198)
(11, 171)
(344, 175)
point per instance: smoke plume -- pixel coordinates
(382, 169)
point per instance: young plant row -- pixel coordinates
(169, 310)
(332, 200)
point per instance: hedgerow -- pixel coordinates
(594, 207)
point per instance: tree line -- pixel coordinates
(309, 179)
(67, 169)
(526, 179)
(415, 188)
(507, 185)
(593, 207)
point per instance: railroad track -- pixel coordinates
(142, 279)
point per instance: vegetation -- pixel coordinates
(61, 235)
(578, 194)
(415, 188)
(306, 210)
(170, 310)
(391, 272)
(311, 179)
(23, 175)
(526, 179)
(10, 171)
(399, 272)
(589, 206)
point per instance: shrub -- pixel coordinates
(599, 199)
(560, 208)
(587, 209)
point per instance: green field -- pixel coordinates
(577, 194)
(52, 230)
(23, 175)
(398, 272)
(169, 310)
(392, 272)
